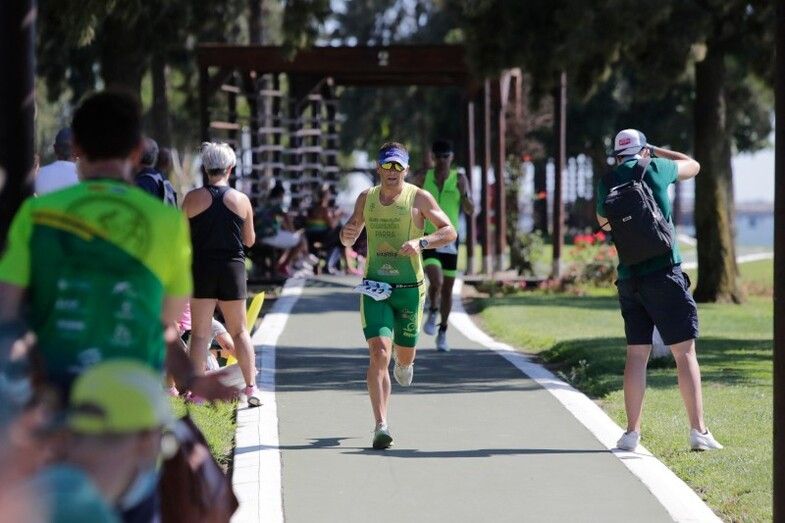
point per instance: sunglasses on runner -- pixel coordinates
(442, 156)
(388, 166)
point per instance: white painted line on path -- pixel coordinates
(758, 256)
(257, 459)
(681, 502)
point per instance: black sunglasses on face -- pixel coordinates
(443, 156)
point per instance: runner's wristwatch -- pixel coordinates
(423, 243)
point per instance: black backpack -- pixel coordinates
(166, 191)
(639, 229)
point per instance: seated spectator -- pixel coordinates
(62, 172)
(275, 229)
(116, 417)
(322, 228)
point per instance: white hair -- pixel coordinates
(217, 156)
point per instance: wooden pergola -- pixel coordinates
(485, 102)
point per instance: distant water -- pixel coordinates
(757, 232)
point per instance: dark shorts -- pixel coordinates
(219, 280)
(661, 298)
(447, 262)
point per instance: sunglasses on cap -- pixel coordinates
(393, 165)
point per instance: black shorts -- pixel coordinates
(219, 280)
(661, 298)
(448, 262)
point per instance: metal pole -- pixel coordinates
(469, 143)
(204, 110)
(17, 105)
(487, 253)
(560, 127)
(500, 86)
(779, 273)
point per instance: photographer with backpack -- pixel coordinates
(633, 204)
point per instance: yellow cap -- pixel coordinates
(116, 397)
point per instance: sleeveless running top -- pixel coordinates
(388, 228)
(449, 198)
(216, 232)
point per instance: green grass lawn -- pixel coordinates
(582, 338)
(217, 423)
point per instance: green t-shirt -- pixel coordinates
(388, 228)
(67, 495)
(448, 198)
(660, 174)
(97, 260)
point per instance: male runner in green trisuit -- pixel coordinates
(451, 191)
(394, 213)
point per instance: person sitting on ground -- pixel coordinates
(322, 227)
(116, 419)
(62, 172)
(221, 224)
(276, 229)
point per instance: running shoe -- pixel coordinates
(381, 437)
(429, 327)
(703, 441)
(629, 441)
(441, 342)
(403, 374)
(253, 396)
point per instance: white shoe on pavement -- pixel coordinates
(381, 437)
(629, 441)
(441, 342)
(703, 441)
(429, 327)
(403, 374)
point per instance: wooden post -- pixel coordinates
(560, 128)
(779, 271)
(500, 160)
(17, 105)
(469, 143)
(487, 265)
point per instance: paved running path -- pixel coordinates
(475, 439)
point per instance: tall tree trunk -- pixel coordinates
(162, 131)
(713, 199)
(122, 57)
(255, 24)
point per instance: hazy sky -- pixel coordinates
(753, 176)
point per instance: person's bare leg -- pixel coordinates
(378, 377)
(635, 384)
(434, 273)
(690, 382)
(226, 343)
(405, 355)
(234, 314)
(201, 320)
(446, 296)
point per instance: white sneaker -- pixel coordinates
(441, 342)
(429, 327)
(705, 441)
(629, 441)
(403, 374)
(381, 437)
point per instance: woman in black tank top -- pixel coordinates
(221, 222)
